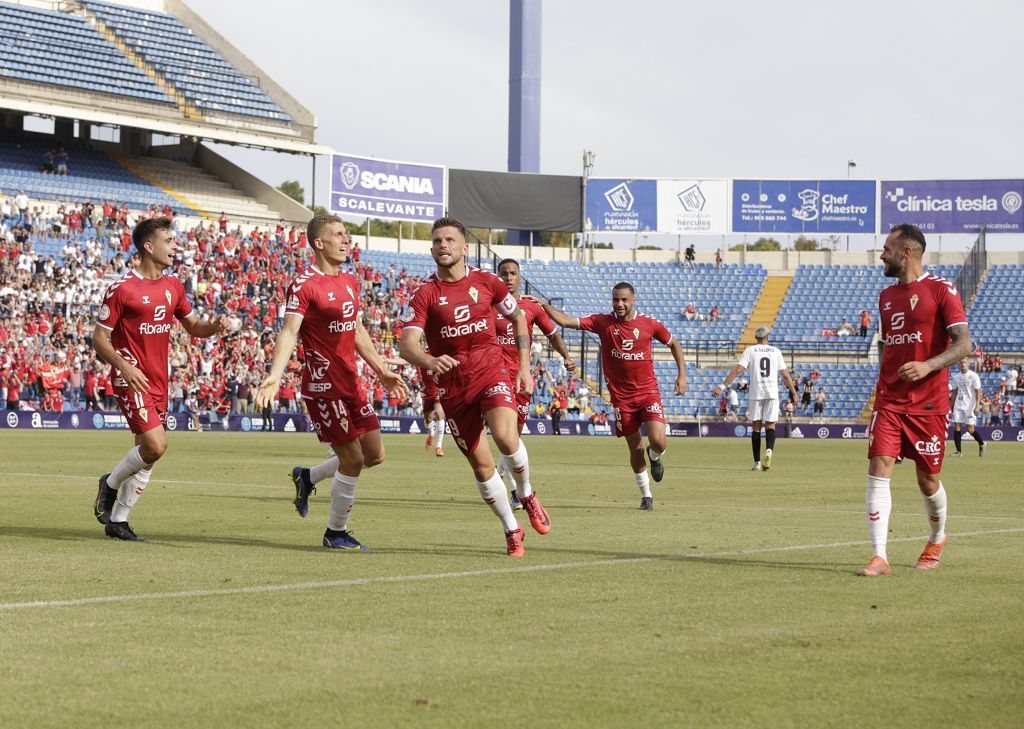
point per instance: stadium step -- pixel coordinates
(186, 108)
(773, 293)
(865, 414)
(148, 177)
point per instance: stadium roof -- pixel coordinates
(153, 65)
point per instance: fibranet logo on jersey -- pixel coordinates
(904, 338)
(337, 327)
(450, 332)
(628, 356)
(147, 328)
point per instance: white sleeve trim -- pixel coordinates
(957, 324)
(105, 326)
(410, 326)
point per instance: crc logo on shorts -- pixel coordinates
(655, 408)
(931, 447)
(367, 410)
(501, 388)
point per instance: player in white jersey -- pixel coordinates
(764, 363)
(965, 398)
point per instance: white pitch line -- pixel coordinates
(353, 582)
(371, 491)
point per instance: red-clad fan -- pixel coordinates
(924, 330)
(626, 338)
(323, 309)
(510, 274)
(454, 309)
(132, 331)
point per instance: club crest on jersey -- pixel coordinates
(913, 301)
(351, 293)
(636, 333)
(474, 294)
(167, 295)
(145, 299)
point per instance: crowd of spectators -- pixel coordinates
(48, 305)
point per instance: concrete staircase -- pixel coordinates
(767, 309)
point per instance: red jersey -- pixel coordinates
(138, 313)
(506, 329)
(329, 307)
(428, 385)
(915, 322)
(458, 320)
(626, 354)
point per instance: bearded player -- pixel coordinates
(510, 274)
(454, 309)
(924, 330)
(626, 339)
(131, 335)
(323, 309)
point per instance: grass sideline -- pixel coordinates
(733, 603)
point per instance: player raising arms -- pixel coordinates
(508, 271)
(966, 399)
(323, 308)
(765, 363)
(626, 338)
(924, 330)
(131, 335)
(453, 309)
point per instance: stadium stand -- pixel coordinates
(53, 48)
(997, 313)
(203, 77)
(821, 297)
(91, 175)
(663, 290)
(196, 188)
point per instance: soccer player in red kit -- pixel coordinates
(626, 338)
(322, 307)
(508, 271)
(433, 413)
(454, 309)
(131, 335)
(924, 330)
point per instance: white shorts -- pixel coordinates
(765, 410)
(964, 417)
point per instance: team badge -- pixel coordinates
(636, 334)
(474, 294)
(144, 414)
(344, 424)
(913, 301)
(167, 295)
(351, 293)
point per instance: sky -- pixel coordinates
(781, 89)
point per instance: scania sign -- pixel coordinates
(387, 189)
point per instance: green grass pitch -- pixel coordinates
(734, 603)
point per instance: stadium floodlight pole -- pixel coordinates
(850, 164)
(589, 158)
